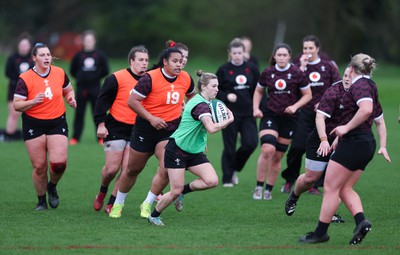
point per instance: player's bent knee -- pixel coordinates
(211, 183)
(132, 171)
(309, 180)
(176, 191)
(110, 172)
(58, 168)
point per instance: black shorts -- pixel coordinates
(355, 152)
(117, 130)
(314, 161)
(313, 143)
(145, 138)
(32, 127)
(285, 126)
(305, 124)
(175, 157)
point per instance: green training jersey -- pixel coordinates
(191, 135)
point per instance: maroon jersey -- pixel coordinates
(331, 105)
(321, 75)
(362, 89)
(283, 85)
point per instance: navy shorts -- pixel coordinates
(175, 157)
(285, 126)
(355, 152)
(32, 127)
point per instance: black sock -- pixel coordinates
(155, 213)
(321, 229)
(269, 187)
(51, 186)
(103, 189)
(42, 199)
(186, 189)
(260, 184)
(359, 217)
(294, 196)
(111, 200)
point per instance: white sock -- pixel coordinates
(120, 199)
(150, 197)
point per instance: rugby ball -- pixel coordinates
(219, 111)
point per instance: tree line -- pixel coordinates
(345, 27)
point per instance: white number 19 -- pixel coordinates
(172, 97)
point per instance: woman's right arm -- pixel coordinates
(134, 102)
(212, 127)
(382, 134)
(22, 105)
(258, 94)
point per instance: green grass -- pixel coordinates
(216, 221)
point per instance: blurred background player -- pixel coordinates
(321, 74)
(248, 56)
(237, 80)
(17, 63)
(88, 67)
(288, 90)
(185, 51)
(39, 95)
(115, 127)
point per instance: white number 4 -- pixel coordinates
(48, 93)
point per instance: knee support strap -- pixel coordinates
(58, 168)
(270, 139)
(281, 147)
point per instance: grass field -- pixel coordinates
(217, 221)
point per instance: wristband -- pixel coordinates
(324, 138)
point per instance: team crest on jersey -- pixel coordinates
(23, 67)
(241, 79)
(88, 63)
(314, 76)
(280, 84)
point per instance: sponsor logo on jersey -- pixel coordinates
(241, 79)
(280, 84)
(314, 76)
